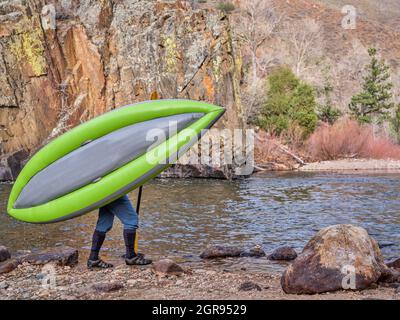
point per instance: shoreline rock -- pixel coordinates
(197, 171)
(167, 267)
(4, 254)
(390, 275)
(8, 266)
(11, 165)
(62, 256)
(108, 286)
(213, 252)
(249, 286)
(336, 258)
(394, 264)
(283, 254)
(217, 251)
(255, 252)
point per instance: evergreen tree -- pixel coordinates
(395, 123)
(375, 100)
(289, 102)
(326, 111)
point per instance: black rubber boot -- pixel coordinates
(131, 257)
(94, 261)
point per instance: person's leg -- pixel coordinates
(105, 220)
(124, 210)
(104, 224)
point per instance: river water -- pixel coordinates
(179, 218)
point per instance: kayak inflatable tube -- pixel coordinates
(102, 159)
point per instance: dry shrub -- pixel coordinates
(268, 148)
(294, 137)
(349, 139)
(381, 148)
(265, 148)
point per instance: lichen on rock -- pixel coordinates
(27, 46)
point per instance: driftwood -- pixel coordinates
(285, 150)
(259, 169)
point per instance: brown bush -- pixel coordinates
(349, 139)
(269, 148)
(265, 149)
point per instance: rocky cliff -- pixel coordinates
(64, 62)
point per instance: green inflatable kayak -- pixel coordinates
(107, 157)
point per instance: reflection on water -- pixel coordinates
(179, 218)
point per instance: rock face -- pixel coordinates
(69, 61)
(213, 252)
(337, 257)
(283, 254)
(63, 256)
(167, 267)
(4, 254)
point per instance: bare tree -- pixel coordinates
(347, 73)
(256, 24)
(304, 38)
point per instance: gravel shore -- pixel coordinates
(123, 282)
(353, 165)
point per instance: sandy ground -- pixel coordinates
(353, 165)
(26, 282)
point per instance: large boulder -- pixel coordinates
(337, 257)
(62, 256)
